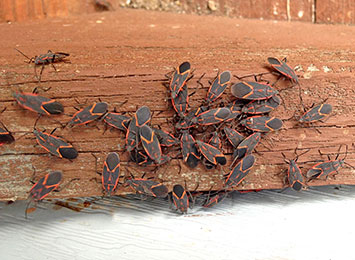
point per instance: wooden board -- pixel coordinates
(124, 55)
(342, 11)
(22, 10)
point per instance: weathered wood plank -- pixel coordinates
(300, 10)
(125, 57)
(329, 11)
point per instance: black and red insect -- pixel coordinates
(190, 153)
(142, 159)
(212, 116)
(218, 86)
(148, 187)
(180, 198)
(262, 106)
(282, 67)
(55, 145)
(181, 101)
(111, 173)
(233, 136)
(262, 124)
(211, 153)
(316, 113)
(215, 140)
(189, 120)
(214, 199)
(324, 169)
(39, 104)
(44, 59)
(44, 186)
(165, 139)
(179, 78)
(6, 136)
(140, 118)
(150, 143)
(246, 147)
(117, 121)
(89, 114)
(253, 90)
(240, 171)
(294, 175)
(236, 110)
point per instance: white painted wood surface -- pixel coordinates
(314, 224)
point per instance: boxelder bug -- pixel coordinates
(189, 120)
(142, 159)
(218, 86)
(212, 154)
(316, 113)
(233, 136)
(39, 104)
(165, 138)
(214, 199)
(55, 145)
(253, 90)
(262, 123)
(212, 116)
(180, 198)
(240, 171)
(262, 106)
(294, 174)
(118, 121)
(44, 59)
(89, 114)
(147, 187)
(140, 118)
(180, 102)
(44, 186)
(236, 110)
(150, 143)
(139, 157)
(5, 135)
(111, 173)
(143, 116)
(179, 78)
(215, 140)
(282, 67)
(324, 169)
(246, 146)
(190, 153)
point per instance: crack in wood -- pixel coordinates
(78, 79)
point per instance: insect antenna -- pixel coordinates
(24, 55)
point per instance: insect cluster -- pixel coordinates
(239, 124)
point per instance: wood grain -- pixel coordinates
(342, 11)
(124, 55)
(301, 10)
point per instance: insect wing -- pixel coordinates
(179, 78)
(150, 143)
(240, 171)
(45, 185)
(218, 86)
(111, 172)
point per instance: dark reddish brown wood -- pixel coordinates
(124, 55)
